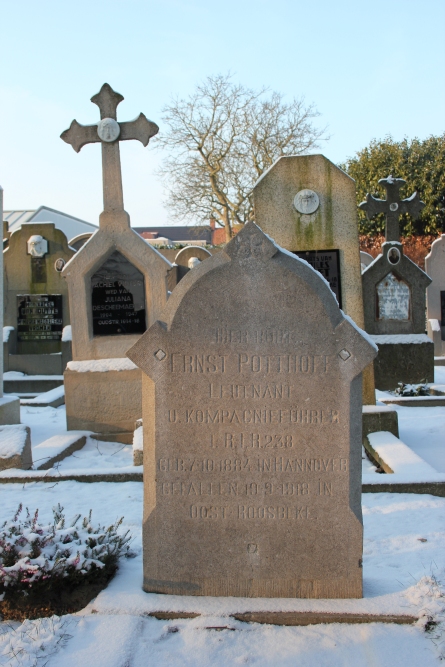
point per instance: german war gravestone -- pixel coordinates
(252, 431)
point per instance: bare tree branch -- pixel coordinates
(220, 140)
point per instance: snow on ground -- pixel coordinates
(44, 422)
(403, 546)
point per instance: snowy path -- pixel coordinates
(117, 634)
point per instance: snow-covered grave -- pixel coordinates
(403, 571)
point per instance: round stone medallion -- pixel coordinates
(394, 206)
(108, 129)
(306, 202)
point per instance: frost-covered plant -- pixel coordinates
(38, 556)
(421, 389)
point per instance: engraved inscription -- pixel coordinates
(393, 298)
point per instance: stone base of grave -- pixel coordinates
(340, 588)
(15, 447)
(9, 410)
(379, 418)
(103, 401)
(407, 358)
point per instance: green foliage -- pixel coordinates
(420, 163)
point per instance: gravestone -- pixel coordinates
(9, 405)
(308, 206)
(252, 431)
(189, 257)
(117, 284)
(435, 295)
(394, 298)
(36, 298)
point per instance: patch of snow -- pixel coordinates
(400, 458)
(67, 334)
(370, 409)
(400, 339)
(47, 396)
(138, 439)
(17, 375)
(8, 398)
(49, 449)
(43, 421)
(32, 643)
(6, 333)
(12, 440)
(101, 365)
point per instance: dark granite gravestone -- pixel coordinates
(118, 298)
(326, 262)
(394, 298)
(252, 431)
(39, 317)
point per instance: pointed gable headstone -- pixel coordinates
(252, 431)
(117, 284)
(394, 297)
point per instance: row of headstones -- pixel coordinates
(36, 304)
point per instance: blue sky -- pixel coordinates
(370, 68)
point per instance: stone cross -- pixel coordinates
(109, 132)
(393, 206)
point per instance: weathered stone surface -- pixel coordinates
(186, 256)
(15, 447)
(102, 401)
(252, 431)
(331, 226)
(9, 409)
(37, 328)
(405, 358)
(379, 419)
(435, 295)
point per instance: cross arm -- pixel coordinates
(412, 205)
(372, 206)
(140, 129)
(78, 135)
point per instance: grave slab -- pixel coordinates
(252, 431)
(57, 448)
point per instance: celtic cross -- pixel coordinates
(393, 206)
(109, 132)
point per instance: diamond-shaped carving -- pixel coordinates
(160, 355)
(344, 354)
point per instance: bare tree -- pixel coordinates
(219, 142)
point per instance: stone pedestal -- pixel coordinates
(9, 410)
(103, 396)
(405, 358)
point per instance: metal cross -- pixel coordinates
(393, 206)
(109, 132)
